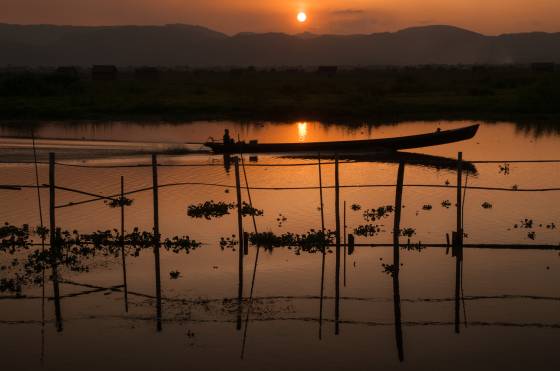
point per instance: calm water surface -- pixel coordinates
(509, 300)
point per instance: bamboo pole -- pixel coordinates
(323, 252)
(344, 244)
(396, 262)
(458, 243)
(241, 239)
(55, 253)
(156, 241)
(337, 236)
(123, 251)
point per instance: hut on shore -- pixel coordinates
(104, 72)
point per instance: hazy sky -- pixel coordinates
(325, 16)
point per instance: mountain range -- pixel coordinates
(195, 46)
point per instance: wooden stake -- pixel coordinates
(458, 243)
(123, 252)
(344, 244)
(396, 262)
(337, 235)
(156, 240)
(460, 203)
(55, 252)
(246, 243)
(240, 234)
(323, 254)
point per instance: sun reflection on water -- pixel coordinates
(302, 131)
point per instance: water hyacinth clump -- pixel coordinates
(310, 242)
(73, 251)
(118, 202)
(211, 209)
(381, 212)
(368, 230)
(408, 232)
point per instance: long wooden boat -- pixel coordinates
(370, 145)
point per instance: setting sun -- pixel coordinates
(302, 17)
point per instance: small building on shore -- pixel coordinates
(543, 67)
(104, 72)
(327, 70)
(67, 71)
(147, 73)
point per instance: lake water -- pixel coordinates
(506, 315)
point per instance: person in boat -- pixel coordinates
(227, 138)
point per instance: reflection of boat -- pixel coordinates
(385, 144)
(415, 159)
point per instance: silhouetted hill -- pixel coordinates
(174, 45)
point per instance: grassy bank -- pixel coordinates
(497, 93)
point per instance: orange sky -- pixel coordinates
(325, 16)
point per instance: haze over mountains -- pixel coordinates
(185, 45)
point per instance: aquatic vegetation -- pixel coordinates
(248, 210)
(390, 269)
(372, 215)
(281, 219)
(118, 202)
(487, 205)
(504, 169)
(73, 251)
(408, 232)
(174, 275)
(427, 207)
(532, 235)
(414, 246)
(356, 207)
(368, 230)
(515, 187)
(180, 244)
(228, 243)
(446, 204)
(209, 210)
(527, 223)
(551, 226)
(12, 237)
(310, 242)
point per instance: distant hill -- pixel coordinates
(185, 45)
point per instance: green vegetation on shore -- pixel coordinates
(357, 95)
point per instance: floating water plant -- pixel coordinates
(248, 210)
(487, 205)
(372, 215)
(504, 169)
(368, 230)
(118, 202)
(174, 275)
(427, 207)
(408, 232)
(446, 204)
(311, 242)
(228, 242)
(209, 210)
(356, 207)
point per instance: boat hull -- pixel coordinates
(386, 144)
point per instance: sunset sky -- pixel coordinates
(324, 16)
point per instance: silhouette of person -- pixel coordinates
(227, 138)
